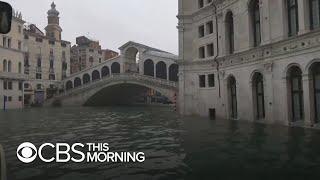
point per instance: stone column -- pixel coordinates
(307, 100)
(304, 16)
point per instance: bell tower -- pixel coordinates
(53, 29)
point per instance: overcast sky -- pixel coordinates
(112, 22)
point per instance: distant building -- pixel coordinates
(87, 53)
(11, 65)
(46, 59)
(109, 54)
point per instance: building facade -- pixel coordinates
(46, 59)
(11, 66)
(88, 53)
(255, 60)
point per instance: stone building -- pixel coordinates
(85, 54)
(46, 60)
(255, 60)
(109, 54)
(11, 65)
(88, 53)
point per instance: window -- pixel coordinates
(20, 98)
(258, 92)
(9, 42)
(10, 85)
(19, 45)
(26, 36)
(4, 41)
(51, 42)
(5, 85)
(201, 52)
(202, 81)
(256, 24)
(39, 62)
(38, 76)
(296, 90)
(51, 65)
(232, 91)
(211, 80)
(39, 40)
(4, 66)
(9, 98)
(9, 66)
(209, 27)
(201, 31)
(210, 50)
(19, 29)
(230, 33)
(52, 77)
(39, 86)
(293, 22)
(63, 44)
(314, 14)
(19, 67)
(26, 86)
(20, 86)
(201, 3)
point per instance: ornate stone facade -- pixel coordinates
(11, 65)
(47, 59)
(264, 65)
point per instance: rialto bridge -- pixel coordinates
(137, 69)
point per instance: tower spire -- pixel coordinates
(53, 29)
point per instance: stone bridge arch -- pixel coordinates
(80, 96)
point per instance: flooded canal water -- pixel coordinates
(175, 147)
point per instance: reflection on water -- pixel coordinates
(175, 147)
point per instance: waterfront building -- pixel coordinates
(88, 53)
(11, 65)
(255, 60)
(46, 60)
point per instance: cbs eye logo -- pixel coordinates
(27, 152)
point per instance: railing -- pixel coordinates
(122, 77)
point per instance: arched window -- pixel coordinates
(69, 85)
(161, 70)
(230, 32)
(296, 92)
(5, 65)
(19, 67)
(232, 88)
(315, 71)
(95, 75)
(115, 68)
(86, 78)
(9, 66)
(77, 82)
(293, 21)
(173, 72)
(256, 23)
(105, 71)
(258, 96)
(149, 68)
(314, 14)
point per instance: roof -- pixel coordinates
(132, 43)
